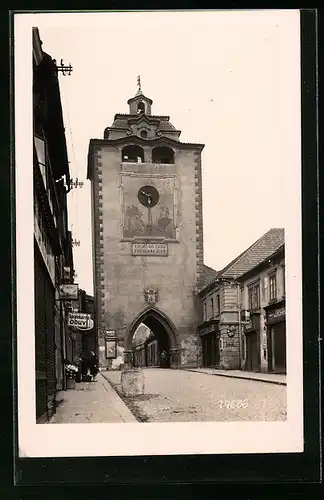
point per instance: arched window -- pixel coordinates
(143, 134)
(133, 154)
(162, 154)
(141, 107)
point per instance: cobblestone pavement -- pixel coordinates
(185, 396)
(92, 402)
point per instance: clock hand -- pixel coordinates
(145, 194)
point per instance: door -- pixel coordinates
(252, 352)
(214, 350)
(207, 350)
(280, 348)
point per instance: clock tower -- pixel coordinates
(147, 234)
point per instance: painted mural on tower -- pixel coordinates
(142, 221)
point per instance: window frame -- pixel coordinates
(254, 304)
(273, 293)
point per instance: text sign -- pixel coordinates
(110, 334)
(80, 320)
(207, 329)
(277, 313)
(150, 249)
(69, 291)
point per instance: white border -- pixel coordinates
(37, 440)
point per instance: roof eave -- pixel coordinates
(136, 139)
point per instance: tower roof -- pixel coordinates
(139, 94)
(139, 97)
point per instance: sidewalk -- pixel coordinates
(272, 378)
(92, 402)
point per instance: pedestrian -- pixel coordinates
(93, 365)
(78, 364)
(164, 359)
(84, 367)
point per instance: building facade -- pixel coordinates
(243, 310)
(147, 232)
(52, 240)
(263, 297)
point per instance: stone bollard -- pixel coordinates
(133, 382)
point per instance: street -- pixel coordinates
(184, 396)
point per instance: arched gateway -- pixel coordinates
(163, 330)
(147, 234)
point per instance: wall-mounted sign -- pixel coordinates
(69, 291)
(110, 334)
(208, 329)
(248, 325)
(276, 313)
(160, 249)
(79, 320)
(111, 349)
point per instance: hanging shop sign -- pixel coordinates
(89, 327)
(111, 349)
(79, 320)
(67, 274)
(69, 291)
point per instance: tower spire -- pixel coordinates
(139, 85)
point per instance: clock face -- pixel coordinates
(148, 196)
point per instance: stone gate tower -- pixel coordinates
(147, 232)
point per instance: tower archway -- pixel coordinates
(160, 349)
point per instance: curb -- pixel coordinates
(277, 382)
(125, 413)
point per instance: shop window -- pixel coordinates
(133, 154)
(254, 296)
(140, 107)
(40, 147)
(272, 287)
(162, 154)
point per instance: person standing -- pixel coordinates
(93, 365)
(164, 359)
(78, 364)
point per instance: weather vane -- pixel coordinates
(139, 83)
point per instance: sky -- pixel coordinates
(227, 79)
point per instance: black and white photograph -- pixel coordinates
(158, 229)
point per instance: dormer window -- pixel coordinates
(143, 134)
(140, 107)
